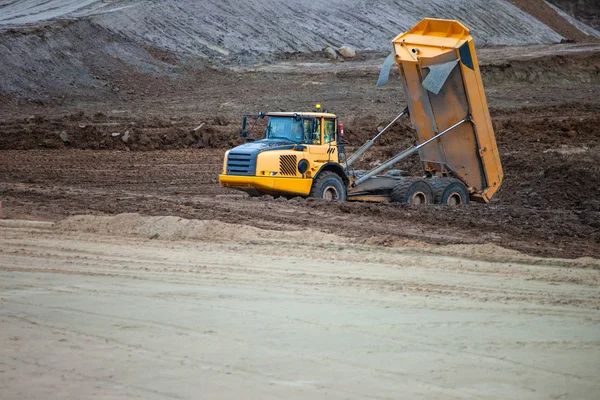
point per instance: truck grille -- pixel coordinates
(240, 164)
(287, 165)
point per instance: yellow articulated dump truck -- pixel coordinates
(301, 153)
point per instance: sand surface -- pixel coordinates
(119, 315)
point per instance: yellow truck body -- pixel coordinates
(301, 153)
(469, 151)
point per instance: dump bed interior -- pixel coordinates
(441, 79)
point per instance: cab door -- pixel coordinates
(328, 139)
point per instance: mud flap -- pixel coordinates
(386, 67)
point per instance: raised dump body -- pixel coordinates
(301, 154)
(441, 79)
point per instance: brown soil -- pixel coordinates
(540, 10)
(100, 132)
(549, 203)
(587, 11)
(544, 108)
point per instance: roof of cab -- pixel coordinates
(302, 114)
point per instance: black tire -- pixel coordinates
(413, 191)
(328, 186)
(448, 191)
(255, 193)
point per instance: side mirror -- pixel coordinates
(244, 133)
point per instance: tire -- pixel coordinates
(413, 191)
(328, 186)
(448, 191)
(255, 193)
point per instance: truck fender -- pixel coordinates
(334, 167)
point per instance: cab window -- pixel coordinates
(312, 131)
(329, 134)
(293, 130)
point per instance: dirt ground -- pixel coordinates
(166, 308)
(136, 152)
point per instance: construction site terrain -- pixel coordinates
(127, 271)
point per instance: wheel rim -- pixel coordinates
(331, 193)
(455, 199)
(418, 198)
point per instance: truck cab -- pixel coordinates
(293, 150)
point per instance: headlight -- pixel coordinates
(303, 166)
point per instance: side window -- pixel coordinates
(317, 132)
(312, 131)
(329, 134)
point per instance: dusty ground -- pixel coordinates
(103, 308)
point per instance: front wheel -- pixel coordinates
(328, 186)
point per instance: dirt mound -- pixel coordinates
(547, 127)
(584, 178)
(546, 14)
(582, 68)
(587, 11)
(212, 28)
(52, 62)
(566, 184)
(53, 50)
(100, 132)
(175, 228)
(560, 170)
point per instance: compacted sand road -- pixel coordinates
(95, 308)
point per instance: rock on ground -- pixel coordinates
(347, 52)
(330, 53)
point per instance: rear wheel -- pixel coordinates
(413, 191)
(451, 192)
(328, 186)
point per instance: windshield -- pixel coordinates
(293, 130)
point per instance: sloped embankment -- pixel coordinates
(55, 49)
